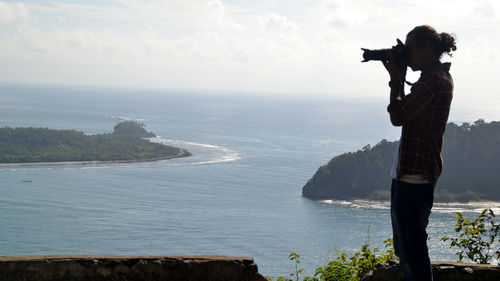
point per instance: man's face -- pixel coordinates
(417, 52)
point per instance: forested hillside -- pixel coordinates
(131, 128)
(471, 168)
(28, 145)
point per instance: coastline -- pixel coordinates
(182, 153)
(347, 201)
(438, 207)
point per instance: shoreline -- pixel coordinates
(437, 204)
(182, 153)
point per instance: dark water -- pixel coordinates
(239, 194)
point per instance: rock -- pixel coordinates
(442, 271)
(128, 268)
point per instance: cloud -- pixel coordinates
(216, 13)
(233, 45)
(280, 23)
(340, 14)
(13, 12)
(485, 9)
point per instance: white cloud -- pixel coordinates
(485, 9)
(341, 13)
(13, 12)
(216, 13)
(221, 45)
(279, 23)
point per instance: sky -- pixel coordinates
(305, 47)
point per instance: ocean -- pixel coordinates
(238, 195)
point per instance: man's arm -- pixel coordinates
(397, 94)
(397, 90)
(406, 108)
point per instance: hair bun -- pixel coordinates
(447, 43)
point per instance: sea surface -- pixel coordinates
(238, 195)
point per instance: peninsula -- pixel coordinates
(48, 146)
(470, 168)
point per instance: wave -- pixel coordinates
(451, 208)
(361, 204)
(123, 118)
(470, 207)
(201, 154)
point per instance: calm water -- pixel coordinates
(239, 194)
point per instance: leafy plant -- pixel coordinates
(345, 268)
(353, 268)
(476, 239)
(295, 275)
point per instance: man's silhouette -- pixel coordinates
(423, 114)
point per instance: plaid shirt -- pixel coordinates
(423, 113)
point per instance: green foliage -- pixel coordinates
(353, 268)
(476, 239)
(131, 128)
(294, 276)
(470, 156)
(29, 145)
(345, 268)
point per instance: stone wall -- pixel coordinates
(442, 271)
(124, 268)
(191, 268)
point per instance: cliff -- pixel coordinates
(470, 168)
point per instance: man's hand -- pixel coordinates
(396, 72)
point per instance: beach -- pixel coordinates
(182, 153)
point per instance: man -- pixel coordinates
(423, 115)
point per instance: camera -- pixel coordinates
(400, 53)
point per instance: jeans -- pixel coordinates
(411, 206)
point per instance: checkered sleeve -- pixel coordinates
(410, 106)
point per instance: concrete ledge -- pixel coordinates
(442, 271)
(125, 268)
